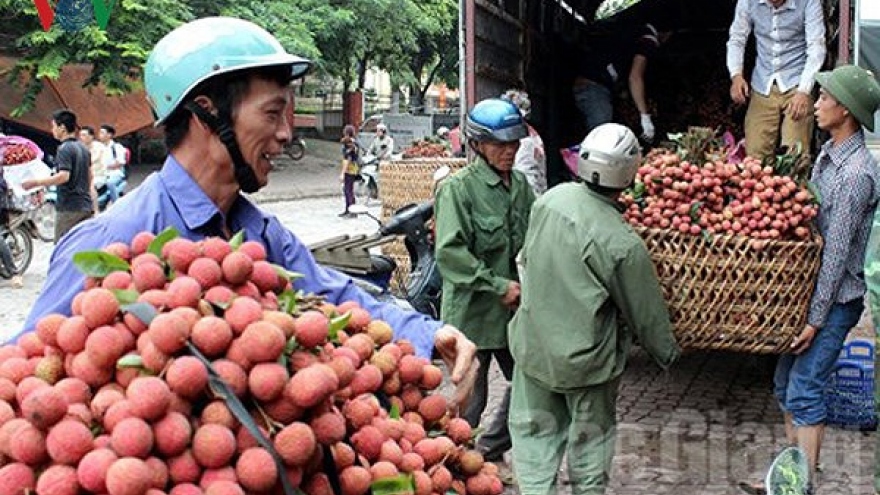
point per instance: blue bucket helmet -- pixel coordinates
(205, 48)
(495, 119)
(208, 47)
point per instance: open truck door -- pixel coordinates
(536, 45)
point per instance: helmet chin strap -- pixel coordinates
(244, 173)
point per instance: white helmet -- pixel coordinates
(609, 157)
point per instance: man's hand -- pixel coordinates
(29, 184)
(511, 297)
(459, 355)
(802, 342)
(798, 106)
(739, 89)
(647, 128)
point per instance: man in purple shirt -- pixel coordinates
(222, 102)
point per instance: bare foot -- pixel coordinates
(17, 282)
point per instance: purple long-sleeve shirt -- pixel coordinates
(171, 198)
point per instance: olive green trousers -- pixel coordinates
(546, 425)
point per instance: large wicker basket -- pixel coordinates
(404, 182)
(729, 293)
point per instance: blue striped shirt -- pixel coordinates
(848, 180)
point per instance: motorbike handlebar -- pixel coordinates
(412, 216)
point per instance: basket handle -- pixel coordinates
(859, 344)
(841, 365)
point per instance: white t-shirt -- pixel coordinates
(114, 153)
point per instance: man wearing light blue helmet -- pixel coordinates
(482, 216)
(220, 87)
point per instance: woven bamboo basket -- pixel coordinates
(727, 293)
(404, 182)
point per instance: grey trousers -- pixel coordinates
(66, 220)
(495, 440)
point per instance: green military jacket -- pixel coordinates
(480, 227)
(585, 272)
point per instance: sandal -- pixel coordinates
(752, 489)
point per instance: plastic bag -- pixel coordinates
(8, 142)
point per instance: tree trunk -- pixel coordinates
(362, 71)
(416, 99)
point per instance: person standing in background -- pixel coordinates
(73, 175)
(348, 175)
(531, 159)
(96, 153)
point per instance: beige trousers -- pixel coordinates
(768, 126)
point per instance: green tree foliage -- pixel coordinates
(414, 40)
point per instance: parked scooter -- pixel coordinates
(296, 148)
(369, 177)
(17, 234)
(350, 254)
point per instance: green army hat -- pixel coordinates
(856, 89)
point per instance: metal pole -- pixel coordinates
(462, 64)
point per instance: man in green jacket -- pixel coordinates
(482, 214)
(586, 273)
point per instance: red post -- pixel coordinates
(845, 32)
(353, 108)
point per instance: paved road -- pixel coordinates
(699, 429)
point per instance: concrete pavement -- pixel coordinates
(700, 428)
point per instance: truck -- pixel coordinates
(535, 44)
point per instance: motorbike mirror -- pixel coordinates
(358, 209)
(441, 173)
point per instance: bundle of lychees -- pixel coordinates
(178, 352)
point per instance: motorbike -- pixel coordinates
(22, 226)
(296, 148)
(369, 171)
(350, 254)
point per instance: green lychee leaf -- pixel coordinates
(287, 301)
(143, 311)
(395, 485)
(237, 240)
(337, 324)
(130, 361)
(814, 191)
(706, 235)
(290, 346)
(163, 238)
(394, 413)
(125, 296)
(286, 274)
(99, 264)
(695, 211)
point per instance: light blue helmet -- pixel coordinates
(495, 119)
(205, 48)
